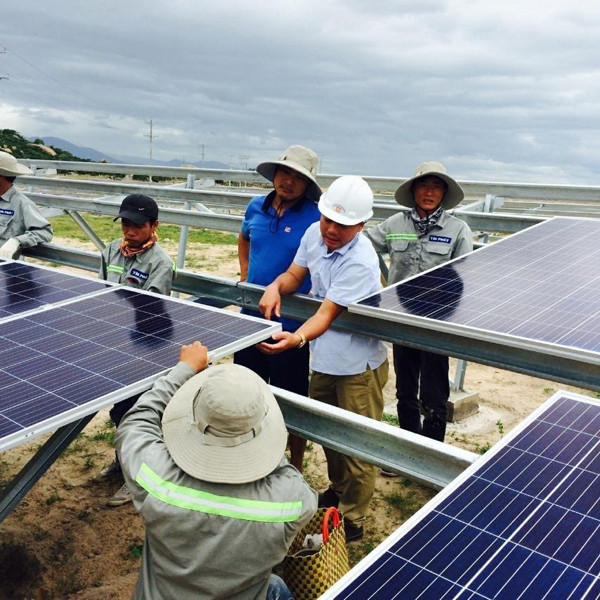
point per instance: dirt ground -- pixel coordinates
(63, 542)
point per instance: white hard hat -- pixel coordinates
(347, 201)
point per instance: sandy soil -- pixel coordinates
(62, 541)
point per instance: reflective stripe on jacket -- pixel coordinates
(410, 253)
(204, 540)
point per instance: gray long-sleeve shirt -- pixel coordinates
(152, 270)
(411, 253)
(21, 219)
(197, 547)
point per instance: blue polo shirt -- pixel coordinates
(274, 241)
(342, 276)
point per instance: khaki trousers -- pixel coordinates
(351, 479)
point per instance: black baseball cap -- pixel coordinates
(138, 208)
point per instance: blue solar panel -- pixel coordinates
(540, 284)
(25, 287)
(57, 360)
(522, 523)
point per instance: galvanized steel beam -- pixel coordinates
(427, 461)
(231, 223)
(39, 464)
(472, 188)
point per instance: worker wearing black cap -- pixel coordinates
(137, 261)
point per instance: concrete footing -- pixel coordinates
(462, 404)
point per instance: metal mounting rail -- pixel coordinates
(580, 193)
(429, 462)
(533, 360)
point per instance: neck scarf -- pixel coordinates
(127, 251)
(424, 225)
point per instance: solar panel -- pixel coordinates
(68, 361)
(25, 287)
(522, 523)
(539, 286)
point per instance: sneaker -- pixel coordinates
(111, 470)
(388, 473)
(328, 498)
(353, 532)
(120, 497)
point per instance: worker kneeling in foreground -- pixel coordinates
(203, 455)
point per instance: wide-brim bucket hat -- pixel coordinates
(300, 159)
(453, 196)
(9, 167)
(224, 426)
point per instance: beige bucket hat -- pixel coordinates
(454, 193)
(225, 426)
(301, 159)
(9, 167)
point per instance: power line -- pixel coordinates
(61, 85)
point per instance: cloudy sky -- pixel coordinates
(498, 91)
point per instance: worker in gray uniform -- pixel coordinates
(417, 240)
(21, 223)
(203, 454)
(137, 261)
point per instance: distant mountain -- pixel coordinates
(201, 164)
(81, 151)
(12, 141)
(97, 156)
(94, 155)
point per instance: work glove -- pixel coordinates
(10, 249)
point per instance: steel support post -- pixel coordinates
(39, 464)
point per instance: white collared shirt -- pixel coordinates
(342, 276)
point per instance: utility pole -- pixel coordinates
(3, 51)
(151, 136)
(203, 145)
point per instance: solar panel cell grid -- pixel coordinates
(59, 359)
(540, 284)
(26, 287)
(524, 523)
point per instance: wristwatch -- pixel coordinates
(302, 339)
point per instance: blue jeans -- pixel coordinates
(278, 590)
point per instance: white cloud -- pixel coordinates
(497, 90)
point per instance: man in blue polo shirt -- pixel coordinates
(271, 231)
(348, 370)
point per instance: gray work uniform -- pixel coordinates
(152, 270)
(21, 219)
(410, 253)
(200, 542)
(421, 377)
